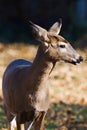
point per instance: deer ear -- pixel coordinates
(39, 32)
(56, 27)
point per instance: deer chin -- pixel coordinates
(74, 62)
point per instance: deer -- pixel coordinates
(25, 90)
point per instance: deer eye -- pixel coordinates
(62, 46)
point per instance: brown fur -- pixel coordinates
(25, 89)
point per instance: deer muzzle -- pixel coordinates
(78, 61)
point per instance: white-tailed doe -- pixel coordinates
(25, 90)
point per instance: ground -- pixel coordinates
(67, 84)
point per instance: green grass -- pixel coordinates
(2, 118)
(57, 115)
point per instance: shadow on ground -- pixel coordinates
(66, 117)
(60, 116)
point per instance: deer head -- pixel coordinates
(55, 46)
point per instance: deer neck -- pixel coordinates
(42, 67)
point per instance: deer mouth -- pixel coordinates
(76, 61)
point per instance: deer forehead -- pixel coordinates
(58, 40)
(62, 43)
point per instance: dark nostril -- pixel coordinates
(80, 58)
(78, 61)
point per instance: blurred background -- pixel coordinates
(67, 83)
(14, 17)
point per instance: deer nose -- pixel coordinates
(80, 59)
